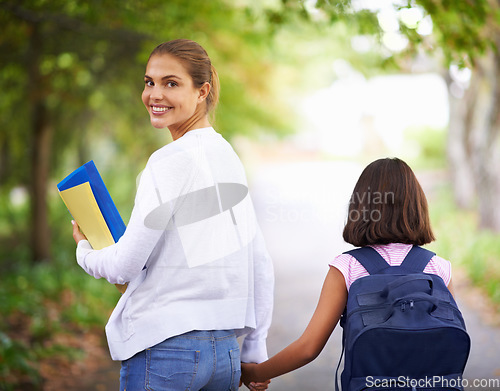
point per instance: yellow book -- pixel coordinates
(81, 203)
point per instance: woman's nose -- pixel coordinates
(156, 93)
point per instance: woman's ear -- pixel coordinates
(204, 91)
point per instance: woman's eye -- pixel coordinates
(171, 84)
(149, 83)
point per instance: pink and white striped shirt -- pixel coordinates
(394, 254)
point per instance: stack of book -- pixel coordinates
(89, 202)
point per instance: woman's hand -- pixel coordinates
(247, 374)
(77, 234)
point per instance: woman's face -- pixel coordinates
(169, 94)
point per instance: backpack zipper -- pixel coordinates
(402, 304)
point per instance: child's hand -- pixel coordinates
(248, 376)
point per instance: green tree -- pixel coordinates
(50, 65)
(468, 34)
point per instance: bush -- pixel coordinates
(45, 307)
(460, 241)
(40, 304)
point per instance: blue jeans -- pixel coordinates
(195, 361)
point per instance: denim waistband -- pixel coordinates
(208, 334)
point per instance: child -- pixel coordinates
(387, 211)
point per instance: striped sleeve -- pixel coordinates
(440, 267)
(350, 268)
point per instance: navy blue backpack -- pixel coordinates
(402, 328)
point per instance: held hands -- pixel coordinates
(248, 374)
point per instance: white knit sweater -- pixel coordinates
(192, 252)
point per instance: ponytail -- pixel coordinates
(213, 95)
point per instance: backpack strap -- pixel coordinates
(417, 259)
(371, 260)
(338, 365)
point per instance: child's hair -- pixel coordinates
(197, 63)
(388, 205)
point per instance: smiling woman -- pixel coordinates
(171, 98)
(197, 268)
(181, 87)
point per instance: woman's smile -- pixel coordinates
(160, 110)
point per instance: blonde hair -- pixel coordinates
(197, 64)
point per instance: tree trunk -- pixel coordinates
(484, 141)
(40, 154)
(4, 160)
(40, 167)
(458, 154)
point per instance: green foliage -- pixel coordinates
(40, 303)
(463, 31)
(16, 364)
(458, 240)
(43, 301)
(428, 146)
(462, 28)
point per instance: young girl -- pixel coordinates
(387, 211)
(197, 269)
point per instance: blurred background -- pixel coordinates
(311, 92)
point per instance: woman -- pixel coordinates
(196, 265)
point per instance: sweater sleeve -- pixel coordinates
(124, 260)
(166, 177)
(254, 345)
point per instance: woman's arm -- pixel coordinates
(331, 304)
(167, 176)
(122, 261)
(253, 348)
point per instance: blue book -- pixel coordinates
(87, 197)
